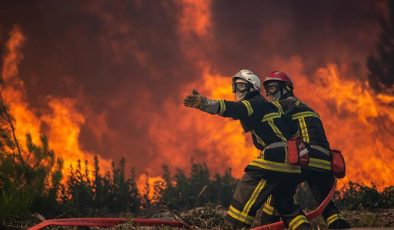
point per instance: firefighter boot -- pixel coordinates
(304, 226)
(339, 224)
(336, 221)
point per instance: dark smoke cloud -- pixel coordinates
(123, 59)
(319, 31)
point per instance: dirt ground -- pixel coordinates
(211, 217)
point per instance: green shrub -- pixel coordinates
(357, 196)
(15, 202)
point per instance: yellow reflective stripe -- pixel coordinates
(248, 107)
(268, 211)
(259, 140)
(254, 196)
(222, 106)
(269, 200)
(275, 166)
(268, 208)
(333, 218)
(240, 216)
(304, 130)
(277, 104)
(270, 119)
(318, 163)
(276, 130)
(297, 221)
(304, 114)
(270, 116)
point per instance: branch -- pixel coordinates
(11, 124)
(178, 216)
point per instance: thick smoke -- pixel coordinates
(255, 34)
(123, 60)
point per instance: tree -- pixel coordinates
(134, 200)
(28, 174)
(223, 187)
(125, 192)
(80, 191)
(164, 189)
(199, 178)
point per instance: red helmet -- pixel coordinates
(278, 76)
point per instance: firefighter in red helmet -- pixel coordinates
(269, 173)
(278, 86)
(318, 174)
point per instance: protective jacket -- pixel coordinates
(270, 130)
(311, 130)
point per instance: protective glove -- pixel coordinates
(204, 104)
(195, 100)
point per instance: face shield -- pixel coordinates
(241, 88)
(274, 90)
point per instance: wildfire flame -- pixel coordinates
(360, 124)
(357, 121)
(63, 120)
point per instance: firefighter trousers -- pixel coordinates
(252, 191)
(320, 183)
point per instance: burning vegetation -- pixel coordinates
(68, 111)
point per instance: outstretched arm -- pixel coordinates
(235, 110)
(196, 100)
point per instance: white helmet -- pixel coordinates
(248, 76)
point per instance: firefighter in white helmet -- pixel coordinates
(268, 174)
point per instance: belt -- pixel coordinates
(321, 149)
(276, 145)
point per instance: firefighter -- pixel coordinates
(268, 173)
(318, 174)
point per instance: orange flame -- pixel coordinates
(13, 90)
(145, 180)
(206, 138)
(360, 125)
(352, 115)
(63, 120)
(357, 121)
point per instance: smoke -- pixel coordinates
(127, 64)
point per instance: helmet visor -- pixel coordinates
(271, 88)
(240, 86)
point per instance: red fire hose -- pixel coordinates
(109, 222)
(105, 222)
